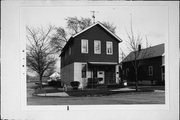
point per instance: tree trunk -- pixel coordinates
(40, 80)
(136, 74)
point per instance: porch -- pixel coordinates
(100, 74)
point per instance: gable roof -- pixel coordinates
(97, 23)
(150, 52)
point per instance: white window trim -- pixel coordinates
(107, 48)
(95, 52)
(150, 68)
(82, 46)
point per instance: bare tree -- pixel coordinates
(40, 56)
(76, 25)
(109, 26)
(134, 43)
(58, 39)
(137, 54)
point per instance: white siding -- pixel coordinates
(77, 71)
(89, 74)
(73, 72)
(78, 74)
(163, 60)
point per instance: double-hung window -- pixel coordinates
(84, 46)
(109, 48)
(150, 70)
(97, 47)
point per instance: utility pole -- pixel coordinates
(131, 24)
(93, 15)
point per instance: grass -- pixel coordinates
(91, 92)
(97, 97)
(119, 98)
(86, 92)
(147, 88)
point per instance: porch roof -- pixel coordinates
(103, 63)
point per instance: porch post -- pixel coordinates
(117, 73)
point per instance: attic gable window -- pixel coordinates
(97, 47)
(109, 48)
(84, 46)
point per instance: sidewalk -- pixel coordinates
(58, 94)
(64, 94)
(124, 89)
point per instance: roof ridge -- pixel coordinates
(101, 24)
(98, 22)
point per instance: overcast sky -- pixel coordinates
(150, 21)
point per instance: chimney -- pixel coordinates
(139, 47)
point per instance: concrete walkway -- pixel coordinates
(124, 89)
(58, 94)
(64, 94)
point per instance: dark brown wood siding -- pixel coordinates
(143, 70)
(94, 33)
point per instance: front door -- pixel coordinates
(100, 76)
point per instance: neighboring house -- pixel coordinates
(55, 76)
(91, 53)
(151, 68)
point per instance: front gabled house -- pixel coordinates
(89, 54)
(151, 68)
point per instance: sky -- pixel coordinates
(149, 21)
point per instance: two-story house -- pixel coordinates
(91, 53)
(151, 66)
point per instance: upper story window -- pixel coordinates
(84, 46)
(97, 47)
(150, 70)
(109, 48)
